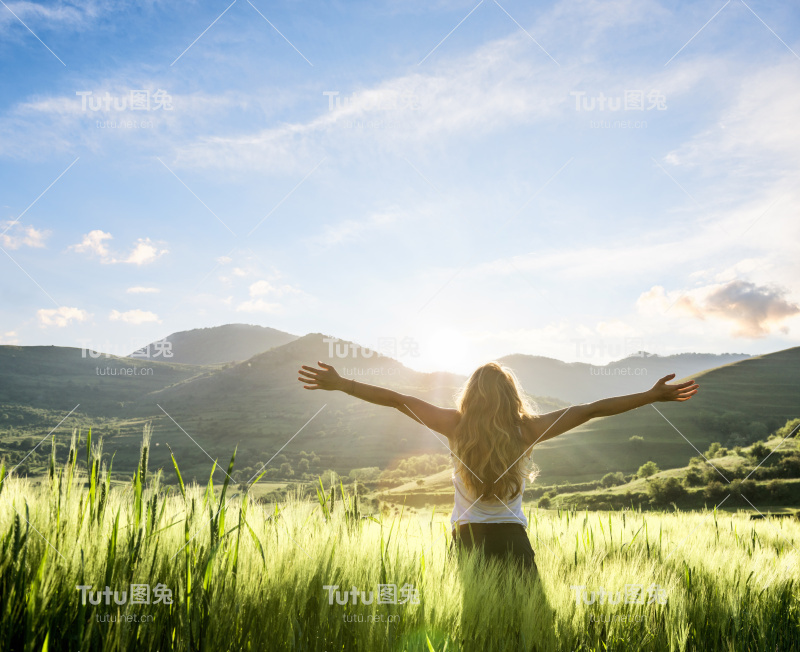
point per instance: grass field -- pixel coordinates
(244, 575)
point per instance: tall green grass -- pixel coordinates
(250, 576)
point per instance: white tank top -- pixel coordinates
(467, 510)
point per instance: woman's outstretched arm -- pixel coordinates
(558, 422)
(442, 420)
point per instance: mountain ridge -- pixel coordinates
(259, 404)
(220, 344)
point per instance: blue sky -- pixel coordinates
(574, 179)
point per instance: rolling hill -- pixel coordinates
(221, 344)
(261, 404)
(204, 411)
(58, 378)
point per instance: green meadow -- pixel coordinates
(227, 571)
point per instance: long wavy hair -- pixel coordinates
(490, 455)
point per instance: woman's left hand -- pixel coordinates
(326, 378)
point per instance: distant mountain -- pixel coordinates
(257, 404)
(739, 401)
(221, 344)
(578, 382)
(260, 404)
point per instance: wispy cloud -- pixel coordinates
(39, 15)
(354, 230)
(758, 128)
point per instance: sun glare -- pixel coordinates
(445, 350)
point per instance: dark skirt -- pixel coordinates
(504, 541)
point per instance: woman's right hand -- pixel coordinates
(682, 392)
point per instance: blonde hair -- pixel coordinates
(487, 440)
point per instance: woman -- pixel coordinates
(491, 433)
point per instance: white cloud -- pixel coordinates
(134, 316)
(260, 288)
(265, 288)
(754, 311)
(142, 290)
(144, 252)
(94, 243)
(9, 337)
(615, 328)
(246, 265)
(259, 305)
(61, 316)
(14, 235)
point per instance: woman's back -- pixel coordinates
(469, 508)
